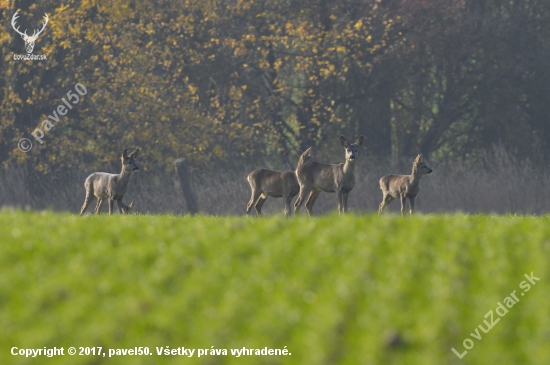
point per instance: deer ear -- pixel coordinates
(344, 141)
(359, 141)
(418, 158)
(134, 154)
(308, 151)
(125, 153)
(298, 152)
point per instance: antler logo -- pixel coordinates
(29, 40)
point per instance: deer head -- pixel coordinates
(29, 40)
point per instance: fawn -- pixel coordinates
(403, 186)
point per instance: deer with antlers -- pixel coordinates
(29, 40)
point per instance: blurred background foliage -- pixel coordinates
(231, 82)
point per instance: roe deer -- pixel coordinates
(127, 209)
(111, 186)
(316, 177)
(265, 183)
(403, 186)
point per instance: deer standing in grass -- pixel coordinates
(316, 177)
(111, 187)
(265, 183)
(403, 186)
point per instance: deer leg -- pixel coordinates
(345, 198)
(311, 200)
(340, 201)
(255, 195)
(111, 203)
(411, 200)
(121, 206)
(403, 202)
(287, 198)
(98, 205)
(87, 201)
(304, 191)
(387, 199)
(259, 203)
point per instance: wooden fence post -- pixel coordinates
(186, 182)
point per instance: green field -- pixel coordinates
(351, 290)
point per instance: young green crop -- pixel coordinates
(333, 290)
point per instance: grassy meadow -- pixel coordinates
(350, 290)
